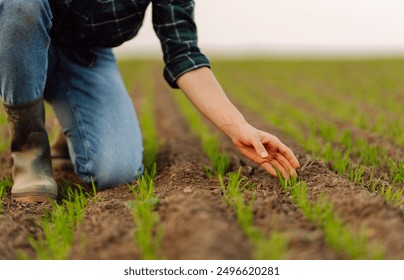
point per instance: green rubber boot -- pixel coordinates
(60, 153)
(32, 169)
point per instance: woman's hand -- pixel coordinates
(264, 149)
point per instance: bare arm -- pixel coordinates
(204, 91)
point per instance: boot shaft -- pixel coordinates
(23, 121)
(32, 169)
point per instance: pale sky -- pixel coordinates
(289, 27)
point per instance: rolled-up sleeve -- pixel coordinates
(173, 22)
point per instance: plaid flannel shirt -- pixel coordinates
(80, 25)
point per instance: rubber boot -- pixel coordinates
(32, 169)
(60, 153)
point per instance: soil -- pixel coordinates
(197, 224)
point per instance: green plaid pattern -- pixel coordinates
(81, 25)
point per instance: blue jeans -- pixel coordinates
(91, 104)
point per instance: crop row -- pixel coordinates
(58, 226)
(320, 213)
(272, 247)
(148, 230)
(148, 233)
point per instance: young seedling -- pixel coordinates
(220, 163)
(356, 174)
(372, 183)
(396, 170)
(4, 142)
(346, 140)
(58, 227)
(233, 194)
(393, 196)
(148, 234)
(271, 247)
(370, 155)
(5, 187)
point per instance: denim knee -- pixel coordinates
(107, 172)
(19, 17)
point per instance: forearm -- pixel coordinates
(204, 91)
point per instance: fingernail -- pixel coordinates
(264, 154)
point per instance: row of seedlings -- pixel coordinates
(320, 212)
(59, 224)
(148, 232)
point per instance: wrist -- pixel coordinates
(234, 128)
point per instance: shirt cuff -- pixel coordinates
(182, 64)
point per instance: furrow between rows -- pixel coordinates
(197, 224)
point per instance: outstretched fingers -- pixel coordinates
(280, 156)
(268, 151)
